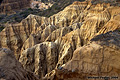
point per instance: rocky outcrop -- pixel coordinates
(33, 24)
(68, 16)
(14, 35)
(91, 19)
(100, 21)
(58, 33)
(66, 31)
(64, 49)
(113, 23)
(66, 46)
(38, 37)
(99, 58)
(11, 5)
(40, 59)
(11, 69)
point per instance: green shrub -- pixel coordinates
(119, 30)
(1, 28)
(30, 9)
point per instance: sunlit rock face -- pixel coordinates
(40, 59)
(99, 58)
(52, 42)
(19, 33)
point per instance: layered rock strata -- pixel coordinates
(66, 31)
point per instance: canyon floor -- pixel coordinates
(80, 42)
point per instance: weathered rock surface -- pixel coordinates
(66, 31)
(11, 69)
(11, 5)
(99, 58)
(33, 24)
(58, 33)
(38, 37)
(14, 35)
(66, 46)
(40, 59)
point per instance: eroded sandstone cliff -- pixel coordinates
(11, 5)
(43, 45)
(40, 59)
(99, 58)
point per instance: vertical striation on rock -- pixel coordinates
(40, 59)
(38, 37)
(98, 58)
(44, 45)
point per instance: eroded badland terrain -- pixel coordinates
(80, 41)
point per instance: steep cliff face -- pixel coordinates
(66, 46)
(11, 69)
(66, 31)
(34, 24)
(40, 59)
(99, 21)
(14, 35)
(11, 5)
(38, 37)
(99, 58)
(58, 33)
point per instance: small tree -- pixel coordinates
(37, 6)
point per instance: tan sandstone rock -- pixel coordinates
(69, 29)
(99, 58)
(38, 37)
(14, 35)
(40, 59)
(11, 69)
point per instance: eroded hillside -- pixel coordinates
(64, 46)
(11, 5)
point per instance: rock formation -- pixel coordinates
(11, 5)
(66, 46)
(99, 58)
(40, 59)
(43, 44)
(11, 69)
(14, 35)
(33, 24)
(38, 37)
(58, 33)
